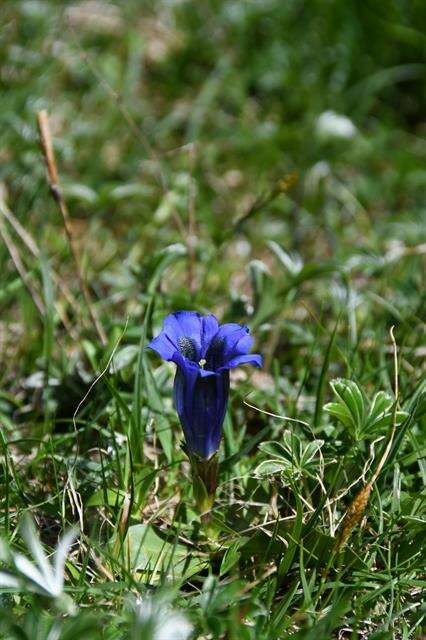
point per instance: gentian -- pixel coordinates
(204, 352)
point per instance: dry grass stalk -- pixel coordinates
(31, 245)
(20, 268)
(359, 504)
(49, 156)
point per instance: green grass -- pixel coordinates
(173, 124)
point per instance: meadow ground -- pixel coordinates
(263, 161)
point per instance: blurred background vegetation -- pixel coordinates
(155, 105)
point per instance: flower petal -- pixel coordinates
(236, 340)
(183, 392)
(201, 402)
(228, 329)
(184, 331)
(186, 365)
(163, 345)
(249, 358)
(209, 329)
(184, 324)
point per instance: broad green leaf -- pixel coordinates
(80, 192)
(274, 449)
(309, 452)
(352, 411)
(270, 467)
(149, 551)
(350, 394)
(381, 403)
(386, 421)
(164, 259)
(340, 412)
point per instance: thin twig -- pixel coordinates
(396, 394)
(49, 156)
(68, 482)
(20, 268)
(358, 505)
(273, 415)
(98, 377)
(29, 242)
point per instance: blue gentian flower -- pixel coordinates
(204, 352)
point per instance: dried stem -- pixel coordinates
(396, 394)
(29, 242)
(49, 156)
(358, 505)
(20, 268)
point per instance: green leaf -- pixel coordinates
(278, 623)
(291, 262)
(264, 292)
(80, 192)
(381, 403)
(274, 449)
(164, 432)
(350, 407)
(340, 412)
(149, 551)
(386, 421)
(232, 555)
(165, 259)
(143, 480)
(322, 379)
(350, 394)
(154, 399)
(290, 456)
(270, 467)
(293, 541)
(351, 411)
(309, 452)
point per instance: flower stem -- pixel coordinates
(204, 476)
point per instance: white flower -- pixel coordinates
(331, 124)
(156, 620)
(40, 576)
